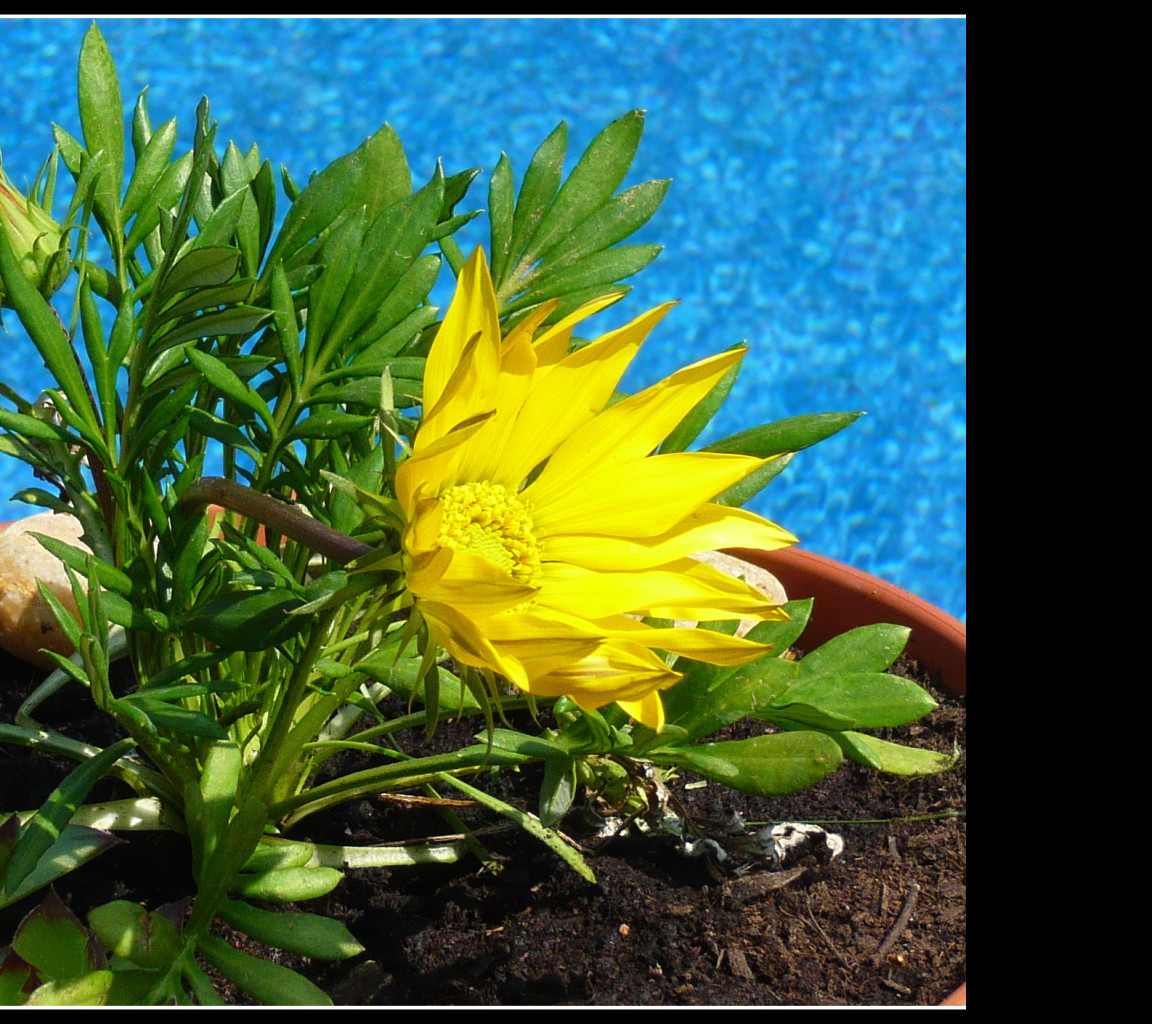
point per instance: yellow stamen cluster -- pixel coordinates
(487, 520)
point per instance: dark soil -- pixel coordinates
(882, 925)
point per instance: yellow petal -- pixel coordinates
(637, 498)
(684, 589)
(632, 428)
(708, 528)
(648, 710)
(571, 395)
(473, 311)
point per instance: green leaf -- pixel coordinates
(864, 649)
(374, 175)
(198, 268)
(689, 428)
(861, 700)
(52, 939)
(592, 272)
(569, 854)
(250, 620)
(150, 167)
(267, 982)
(558, 789)
(132, 933)
(788, 435)
(77, 845)
(46, 825)
(287, 885)
(894, 758)
(537, 192)
(102, 118)
(307, 934)
(47, 333)
(89, 989)
(329, 425)
(770, 765)
(218, 374)
(593, 180)
(176, 719)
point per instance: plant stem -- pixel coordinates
(278, 515)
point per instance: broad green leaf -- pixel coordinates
(132, 933)
(894, 758)
(90, 989)
(863, 700)
(770, 765)
(864, 649)
(52, 939)
(558, 788)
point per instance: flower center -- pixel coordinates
(487, 520)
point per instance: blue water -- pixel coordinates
(817, 211)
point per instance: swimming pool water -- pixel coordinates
(817, 210)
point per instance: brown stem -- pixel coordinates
(278, 515)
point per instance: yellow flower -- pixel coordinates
(540, 526)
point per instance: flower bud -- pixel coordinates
(40, 243)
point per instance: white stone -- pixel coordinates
(26, 621)
(754, 575)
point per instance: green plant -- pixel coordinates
(404, 503)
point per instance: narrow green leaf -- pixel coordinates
(287, 885)
(102, 116)
(501, 208)
(267, 982)
(537, 191)
(788, 435)
(595, 177)
(306, 934)
(329, 425)
(251, 620)
(150, 167)
(217, 373)
(45, 827)
(688, 429)
(198, 268)
(530, 823)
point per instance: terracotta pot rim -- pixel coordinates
(846, 597)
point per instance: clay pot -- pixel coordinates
(846, 598)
